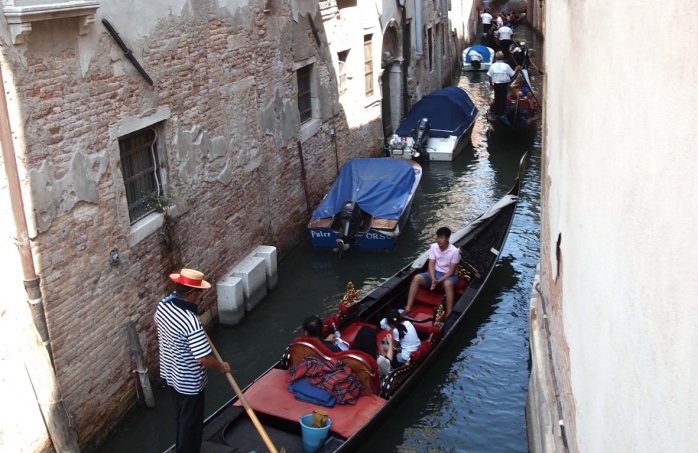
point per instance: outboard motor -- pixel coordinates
(350, 221)
(421, 136)
(396, 146)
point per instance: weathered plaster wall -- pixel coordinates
(618, 193)
(225, 91)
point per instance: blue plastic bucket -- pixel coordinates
(313, 438)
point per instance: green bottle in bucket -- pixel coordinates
(315, 427)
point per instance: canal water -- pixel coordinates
(473, 397)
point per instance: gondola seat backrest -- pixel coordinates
(362, 365)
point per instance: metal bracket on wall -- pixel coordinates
(127, 52)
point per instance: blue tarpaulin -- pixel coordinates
(450, 112)
(482, 50)
(380, 186)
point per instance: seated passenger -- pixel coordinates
(405, 334)
(443, 262)
(367, 341)
(313, 329)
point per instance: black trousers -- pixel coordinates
(501, 90)
(189, 410)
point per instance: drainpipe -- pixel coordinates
(405, 60)
(37, 360)
(418, 28)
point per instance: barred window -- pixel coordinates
(368, 64)
(305, 106)
(141, 171)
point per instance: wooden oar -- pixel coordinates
(250, 412)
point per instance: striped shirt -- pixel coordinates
(182, 341)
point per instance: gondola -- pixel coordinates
(229, 429)
(522, 114)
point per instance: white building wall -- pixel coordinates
(620, 187)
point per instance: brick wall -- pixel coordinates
(196, 62)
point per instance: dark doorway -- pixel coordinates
(385, 104)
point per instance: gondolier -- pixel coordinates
(486, 21)
(500, 75)
(184, 356)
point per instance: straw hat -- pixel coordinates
(191, 278)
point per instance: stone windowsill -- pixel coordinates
(151, 223)
(21, 13)
(309, 128)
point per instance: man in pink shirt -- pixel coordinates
(443, 262)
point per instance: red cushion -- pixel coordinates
(429, 297)
(349, 333)
(270, 395)
(419, 315)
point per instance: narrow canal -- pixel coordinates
(473, 397)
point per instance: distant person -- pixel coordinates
(443, 262)
(500, 75)
(366, 340)
(504, 35)
(404, 333)
(313, 329)
(486, 18)
(185, 354)
(499, 20)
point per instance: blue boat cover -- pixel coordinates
(449, 110)
(482, 50)
(380, 186)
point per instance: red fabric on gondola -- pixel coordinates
(429, 297)
(421, 352)
(269, 395)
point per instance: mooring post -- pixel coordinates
(141, 369)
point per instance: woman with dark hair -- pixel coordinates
(405, 333)
(367, 341)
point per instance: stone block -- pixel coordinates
(268, 252)
(253, 273)
(231, 300)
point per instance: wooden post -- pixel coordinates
(141, 369)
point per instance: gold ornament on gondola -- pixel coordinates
(439, 317)
(350, 297)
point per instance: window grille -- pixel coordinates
(304, 93)
(368, 64)
(140, 168)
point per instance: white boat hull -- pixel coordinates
(438, 148)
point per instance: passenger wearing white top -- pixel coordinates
(443, 262)
(500, 74)
(404, 333)
(486, 18)
(500, 20)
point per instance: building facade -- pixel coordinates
(613, 318)
(163, 134)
